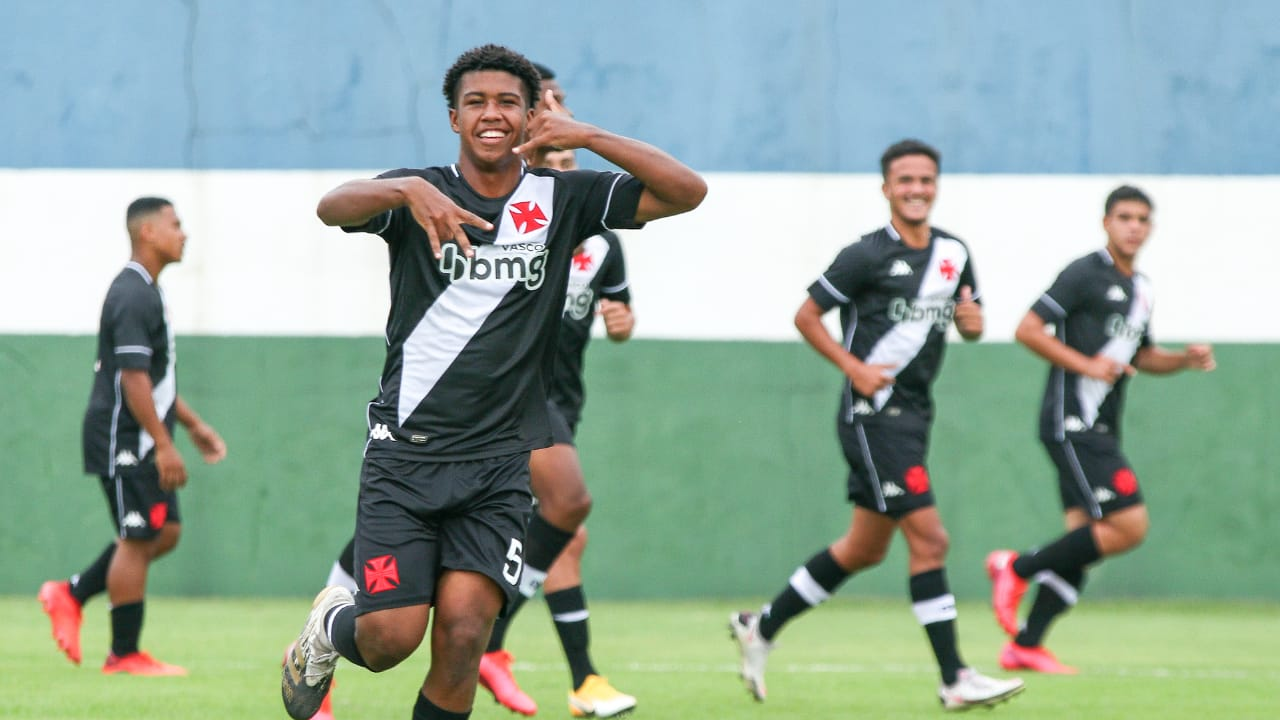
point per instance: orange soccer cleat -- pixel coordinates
(1007, 589)
(64, 612)
(496, 677)
(139, 663)
(1038, 659)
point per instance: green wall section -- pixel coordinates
(714, 467)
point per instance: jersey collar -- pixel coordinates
(137, 267)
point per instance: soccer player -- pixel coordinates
(1100, 311)
(480, 252)
(898, 290)
(128, 444)
(597, 284)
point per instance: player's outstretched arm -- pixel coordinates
(671, 187)
(1158, 361)
(355, 202)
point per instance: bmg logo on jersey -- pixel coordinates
(1118, 326)
(938, 311)
(521, 263)
(578, 304)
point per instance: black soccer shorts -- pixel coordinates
(139, 508)
(886, 458)
(1093, 474)
(417, 519)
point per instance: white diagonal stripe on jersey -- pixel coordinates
(1091, 392)
(902, 343)
(456, 316)
(165, 393)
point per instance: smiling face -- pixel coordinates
(1128, 225)
(490, 117)
(910, 185)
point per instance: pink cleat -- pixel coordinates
(1007, 589)
(1037, 659)
(496, 677)
(64, 613)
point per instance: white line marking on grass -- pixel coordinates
(907, 669)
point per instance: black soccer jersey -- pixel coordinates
(895, 305)
(133, 334)
(597, 271)
(471, 341)
(1095, 309)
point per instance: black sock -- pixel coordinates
(809, 586)
(424, 709)
(93, 579)
(340, 626)
(498, 637)
(568, 609)
(126, 626)
(347, 558)
(1058, 593)
(542, 545)
(1076, 549)
(935, 608)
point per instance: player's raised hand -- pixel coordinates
(1101, 367)
(968, 314)
(553, 127)
(1200, 357)
(870, 378)
(442, 218)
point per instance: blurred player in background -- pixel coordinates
(1100, 310)
(480, 252)
(128, 444)
(898, 290)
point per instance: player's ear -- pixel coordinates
(453, 120)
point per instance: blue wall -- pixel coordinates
(1090, 86)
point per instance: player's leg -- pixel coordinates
(563, 503)
(482, 549)
(150, 526)
(398, 557)
(592, 694)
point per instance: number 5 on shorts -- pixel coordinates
(515, 561)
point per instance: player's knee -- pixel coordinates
(931, 547)
(569, 508)
(384, 647)
(166, 540)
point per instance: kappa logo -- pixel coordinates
(126, 458)
(1073, 424)
(900, 268)
(380, 432)
(891, 490)
(1115, 293)
(862, 407)
(133, 520)
(1103, 495)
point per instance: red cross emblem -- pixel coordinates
(582, 261)
(381, 573)
(948, 269)
(527, 216)
(917, 480)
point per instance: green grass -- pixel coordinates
(851, 658)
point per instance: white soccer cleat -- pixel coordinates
(754, 650)
(972, 689)
(311, 660)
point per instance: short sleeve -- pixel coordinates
(969, 278)
(614, 284)
(1062, 297)
(382, 223)
(848, 273)
(131, 317)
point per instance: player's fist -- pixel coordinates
(619, 321)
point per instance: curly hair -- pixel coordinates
(492, 57)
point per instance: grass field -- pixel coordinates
(851, 658)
